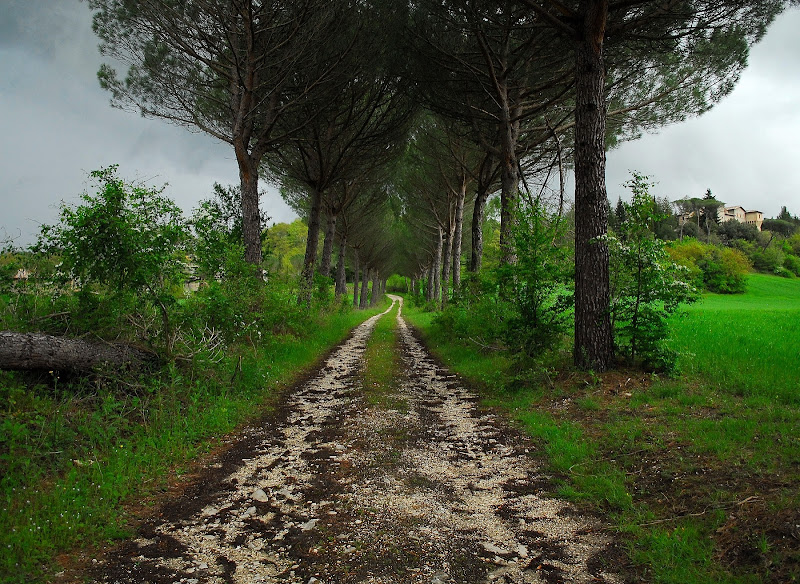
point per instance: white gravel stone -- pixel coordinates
(259, 495)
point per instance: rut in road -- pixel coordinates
(430, 488)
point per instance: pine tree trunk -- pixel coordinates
(327, 247)
(362, 303)
(312, 243)
(430, 282)
(355, 277)
(437, 267)
(447, 265)
(594, 346)
(341, 274)
(457, 236)
(509, 183)
(376, 288)
(251, 218)
(478, 213)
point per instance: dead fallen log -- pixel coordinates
(36, 351)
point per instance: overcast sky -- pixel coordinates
(56, 126)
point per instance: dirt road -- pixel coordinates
(330, 489)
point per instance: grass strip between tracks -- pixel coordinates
(382, 362)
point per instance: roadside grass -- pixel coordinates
(381, 364)
(700, 476)
(75, 459)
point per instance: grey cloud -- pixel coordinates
(57, 125)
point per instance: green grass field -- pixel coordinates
(748, 344)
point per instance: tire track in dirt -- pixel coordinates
(425, 488)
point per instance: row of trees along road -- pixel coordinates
(322, 95)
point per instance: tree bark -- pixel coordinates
(447, 264)
(355, 278)
(34, 351)
(327, 247)
(594, 345)
(458, 235)
(251, 218)
(437, 267)
(341, 274)
(478, 213)
(376, 288)
(509, 183)
(429, 284)
(312, 243)
(362, 303)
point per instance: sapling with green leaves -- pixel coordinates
(542, 281)
(128, 238)
(646, 285)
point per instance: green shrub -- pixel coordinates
(646, 285)
(478, 315)
(525, 308)
(768, 259)
(127, 238)
(217, 227)
(397, 283)
(542, 282)
(792, 263)
(715, 269)
(725, 271)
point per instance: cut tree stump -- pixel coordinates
(35, 351)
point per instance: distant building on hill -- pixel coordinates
(741, 215)
(734, 213)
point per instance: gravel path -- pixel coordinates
(427, 489)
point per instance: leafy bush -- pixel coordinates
(715, 269)
(725, 270)
(768, 259)
(646, 285)
(126, 238)
(397, 283)
(792, 263)
(542, 282)
(478, 314)
(526, 307)
(217, 226)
